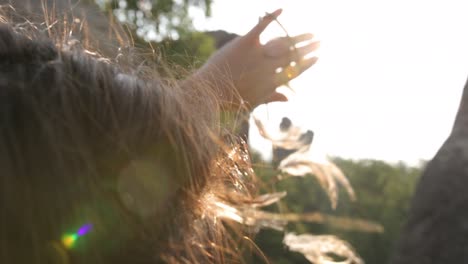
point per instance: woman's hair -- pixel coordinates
(103, 165)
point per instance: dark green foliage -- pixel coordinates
(383, 195)
(191, 50)
(384, 192)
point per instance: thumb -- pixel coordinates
(276, 97)
(264, 22)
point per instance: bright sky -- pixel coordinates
(390, 74)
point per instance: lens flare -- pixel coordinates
(84, 230)
(69, 240)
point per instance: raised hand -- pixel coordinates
(247, 69)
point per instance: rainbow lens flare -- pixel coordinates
(69, 240)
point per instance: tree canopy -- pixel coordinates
(157, 19)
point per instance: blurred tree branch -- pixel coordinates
(157, 19)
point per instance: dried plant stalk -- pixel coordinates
(328, 174)
(317, 249)
(289, 140)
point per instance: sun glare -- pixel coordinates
(382, 68)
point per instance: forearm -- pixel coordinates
(218, 83)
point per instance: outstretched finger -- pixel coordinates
(290, 72)
(282, 46)
(263, 23)
(306, 64)
(301, 52)
(284, 59)
(302, 37)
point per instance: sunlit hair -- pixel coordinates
(101, 163)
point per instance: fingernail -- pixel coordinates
(275, 14)
(278, 12)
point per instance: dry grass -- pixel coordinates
(319, 249)
(300, 163)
